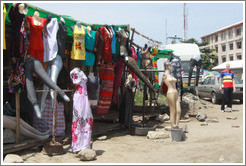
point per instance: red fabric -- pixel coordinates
(46, 122)
(106, 90)
(117, 81)
(107, 50)
(36, 46)
(164, 88)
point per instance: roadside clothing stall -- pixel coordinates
(61, 74)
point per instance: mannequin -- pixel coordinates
(78, 48)
(172, 95)
(126, 111)
(25, 129)
(89, 48)
(50, 56)
(195, 61)
(82, 115)
(16, 15)
(123, 35)
(98, 49)
(33, 61)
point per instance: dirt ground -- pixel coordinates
(220, 142)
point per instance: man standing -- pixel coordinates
(228, 87)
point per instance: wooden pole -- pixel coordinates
(54, 117)
(133, 31)
(17, 103)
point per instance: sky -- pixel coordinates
(154, 19)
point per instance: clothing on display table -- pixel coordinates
(89, 48)
(17, 41)
(78, 48)
(107, 50)
(82, 116)
(36, 47)
(4, 18)
(50, 39)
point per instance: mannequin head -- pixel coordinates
(36, 15)
(88, 28)
(23, 9)
(129, 77)
(168, 66)
(62, 19)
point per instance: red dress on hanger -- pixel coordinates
(107, 36)
(36, 46)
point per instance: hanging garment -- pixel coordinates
(92, 87)
(61, 38)
(78, 48)
(4, 18)
(139, 59)
(89, 48)
(126, 109)
(113, 45)
(107, 50)
(36, 47)
(117, 81)
(98, 49)
(106, 88)
(46, 122)
(154, 63)
(17, 41)
(82, 116)
(50, 40)
(135, 57)
(176, 72)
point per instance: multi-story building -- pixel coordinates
(227, 42)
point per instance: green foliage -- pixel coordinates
(209, 60)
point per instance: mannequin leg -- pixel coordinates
(172, 105)
(27, 126)
(39, 70)
(31, 94)
(11, 124)
(178, 111)
(44, 95)
(56, 66)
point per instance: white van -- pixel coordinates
(185, 51)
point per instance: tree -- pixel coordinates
(209, 60)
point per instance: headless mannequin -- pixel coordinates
(79, 26)
(25, 129)
(53, 70)
(172, 95)
(123, 35)
(34, 65)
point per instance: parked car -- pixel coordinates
(210, 88)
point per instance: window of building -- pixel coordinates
(231, 57)
(211, 39)
(216, 38)
(239, 57)
(231, 46)
(216, 49)
(224, 48)
(222, 36)
(238, 31)
(223, 59)
(230, 33)
(239, 45)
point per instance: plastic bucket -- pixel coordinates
(177, 134)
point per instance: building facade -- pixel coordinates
(227, 43)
